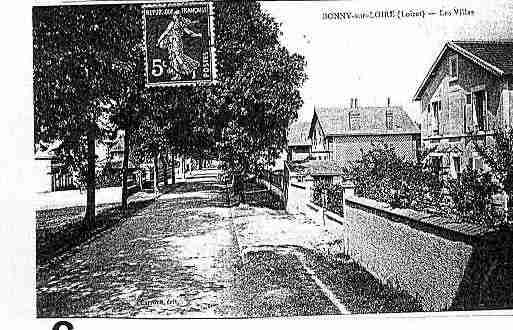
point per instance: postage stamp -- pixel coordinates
(179, 43)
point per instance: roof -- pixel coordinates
(298, 134)
(115, 164)
(118, 146)
(335, 121)
(494, 56)
(47, 151)
(317, 167)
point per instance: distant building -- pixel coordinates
(468, 90)
(315, 170)
(342, 134)
(298, 144)
(51, 175)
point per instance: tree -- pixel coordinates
(499, 157)
(258, 92)
(79, 61)
(149, 139)
(131, 102)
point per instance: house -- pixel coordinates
(111, 166)
(51, 175)
(142, 174)
(298, 144)
(467, 91)
(342, 134)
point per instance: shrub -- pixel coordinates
(383, 176)
(472, 198)
(334, 195)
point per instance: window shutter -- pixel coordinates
(454, 113)
(478, 163)
(469, 121)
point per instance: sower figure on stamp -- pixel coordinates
(172, 40)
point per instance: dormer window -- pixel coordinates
(354, 120)
(453, 67)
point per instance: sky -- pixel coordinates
(373, 59)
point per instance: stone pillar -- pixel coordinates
(348, 192)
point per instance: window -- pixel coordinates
(389, 119)
(453, 67)
(436, 163)
(478, 163)
(456, 166)
(435, 106)
(479, 109)
(354, 120)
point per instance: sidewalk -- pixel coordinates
(260, 227)
(284, 252)
(276, 250)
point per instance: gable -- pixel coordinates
(497, 52)
(297, 134)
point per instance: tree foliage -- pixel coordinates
(334, 196)
(257, 96)
(499, 157)
(83, 57)
(384, 176)
(472, 197)
(80, 59)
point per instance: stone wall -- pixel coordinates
(298, 196)
(446, 269)
(446, 266)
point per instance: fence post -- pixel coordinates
(324, 197)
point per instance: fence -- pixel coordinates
(62, 181)
(275, 178)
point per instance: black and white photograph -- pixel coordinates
(276, 160)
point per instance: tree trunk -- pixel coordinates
(509, 206)
(90, 215)
(156, 172)
(124, 178)
(163, 157)
(173, 175)
(239, 186)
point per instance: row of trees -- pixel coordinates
(89, 83)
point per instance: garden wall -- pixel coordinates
(298, 195)
(445, 265)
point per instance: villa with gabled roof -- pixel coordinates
(468, 91)
(343, 134)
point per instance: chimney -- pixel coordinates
(355, 102)
(351, 103)
(388, 102)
